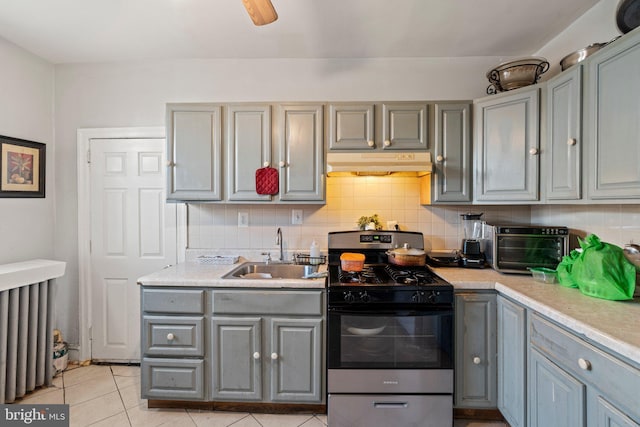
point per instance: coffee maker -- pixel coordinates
(473, 243)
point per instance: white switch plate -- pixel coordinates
(243, 219)
(296, 216)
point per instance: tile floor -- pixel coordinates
(100, 395)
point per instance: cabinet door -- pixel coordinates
(612, 109)
(512, 362)
(236, 358)
(296, 363)
(476, 380)
(507, 147)
(452, 177)
(556, 399)
(300, 140)
(351, 127)
(404, 126)
(603, 414)
(194, 151)
(564, 137)
(248, 148)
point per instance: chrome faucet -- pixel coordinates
(279, 242)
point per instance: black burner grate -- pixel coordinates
(410, 276)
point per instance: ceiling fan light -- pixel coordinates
(261, 12)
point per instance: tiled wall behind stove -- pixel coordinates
(617, 224)
(215, 226)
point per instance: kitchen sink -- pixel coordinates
(262, 270)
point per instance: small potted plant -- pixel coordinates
(369, 222)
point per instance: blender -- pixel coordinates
(472, 255)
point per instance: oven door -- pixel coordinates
(390, 339)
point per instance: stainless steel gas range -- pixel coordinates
(389, 337)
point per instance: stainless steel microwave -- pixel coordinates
(514, 248)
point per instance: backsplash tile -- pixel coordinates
(215, 226)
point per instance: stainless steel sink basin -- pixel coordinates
(261, 270)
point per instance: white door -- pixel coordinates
(133, 233)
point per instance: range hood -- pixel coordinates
(413, 163)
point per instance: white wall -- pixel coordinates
(26, 112)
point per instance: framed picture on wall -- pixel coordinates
(22, 168)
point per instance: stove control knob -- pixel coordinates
(364, 297)
(349, 297)
(418, 297)
(433, 295)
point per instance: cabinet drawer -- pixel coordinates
(172, 379)
(190, 301)
(619, 381)
(173, 336)
(267, 302)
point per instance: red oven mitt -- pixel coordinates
(267, 181)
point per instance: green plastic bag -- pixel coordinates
(602, 271)
(564, 269)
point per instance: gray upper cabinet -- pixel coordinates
(351, 127)
(475, 364)
(404, 126)
(300, 142)
(507, 146)
(611, 121)
(562, 154)
(384, 126)
(248, 148)
(451, 179)
(194, 151)
(512, 357)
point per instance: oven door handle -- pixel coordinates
(391, 312)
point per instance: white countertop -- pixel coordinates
(611, 324)
(195, 274)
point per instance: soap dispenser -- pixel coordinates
(314, 253)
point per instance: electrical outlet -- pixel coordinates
(296, 216)
(243, 219)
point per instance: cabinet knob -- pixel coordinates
(170, 336)
(533, 151)
(256, 355)
(387, 143)
(266, 164)
(170, 163)
(584, 364)
(371, 143)
(571, 142)
(274, 356)
(439, 158)
(282, 163)
(476, 360)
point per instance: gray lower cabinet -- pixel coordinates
(512, 361)
(217, 344)
(563, 149)
(611, 121)
(372, 126)
(267, 346)
(194, 152)
(507, 146)
(572, 383)
(451, 179)
(172, 341)
(475, 364)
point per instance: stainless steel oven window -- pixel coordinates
(399, 340)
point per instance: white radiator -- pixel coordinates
(26, 326)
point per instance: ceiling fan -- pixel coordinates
(261, 12)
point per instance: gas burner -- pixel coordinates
(367, 275)
(408, 276)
